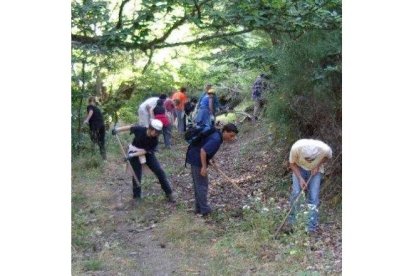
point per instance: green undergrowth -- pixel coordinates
(229, 242)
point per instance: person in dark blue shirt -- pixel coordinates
(142, 151)
(198, 157)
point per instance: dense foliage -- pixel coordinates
(138, 48)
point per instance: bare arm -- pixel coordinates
(137, 153)
(151, 111)
(296, 171)
(90, 113)
(211, 105)
(123, 128)
(203, 157)
(316, 169)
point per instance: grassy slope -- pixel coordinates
(109, 236)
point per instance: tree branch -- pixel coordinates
(149, 60)
(205, 38)
(121, 8)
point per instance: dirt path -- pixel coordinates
(127, 240)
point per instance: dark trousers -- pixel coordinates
(155, 167)
(200, 184)
(98, 137)
(166, 132)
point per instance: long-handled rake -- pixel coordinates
(291, 207)
(128, 161)
(228, 178)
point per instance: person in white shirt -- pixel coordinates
(145, 109)
(306, 159)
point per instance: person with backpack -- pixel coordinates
(142, 151)
(189, 108)
(96, 125)
(307, 158)
(200, 152)
(160, 114)
(206, 109)
(258, 89)
(216, 104)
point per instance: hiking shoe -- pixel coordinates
(206, 215)
(172, 197)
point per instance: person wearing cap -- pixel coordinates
(96, 125)
(206, 109)
(258, 89)
(142, 151)
(216, 104)
(307, 159)
(198, 156)
(145, 109)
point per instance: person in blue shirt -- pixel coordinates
(206, 109)
(216, 104)
(199, 156)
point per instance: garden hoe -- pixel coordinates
(291, 207)
(128, 161)
(228, 178)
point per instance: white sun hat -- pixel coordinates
(156, 124)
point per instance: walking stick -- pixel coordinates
(228, 178)
(291, 207)
(128, 161)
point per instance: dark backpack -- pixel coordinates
(188, 108)
(195, 134)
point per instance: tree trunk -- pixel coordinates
(81, 100)
(98, 86)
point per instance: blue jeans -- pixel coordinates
(200, 184)
(155, 167)
(312, 192)
(180, 121)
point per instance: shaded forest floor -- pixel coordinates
(112, 236)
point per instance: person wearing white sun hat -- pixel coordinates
(142, 150)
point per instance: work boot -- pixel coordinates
(172, 197)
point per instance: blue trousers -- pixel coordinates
(200, 184)
(312, 192)
(155, 167)
(180, 121)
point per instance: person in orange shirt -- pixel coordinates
(182, 98)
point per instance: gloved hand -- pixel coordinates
(114, 131)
